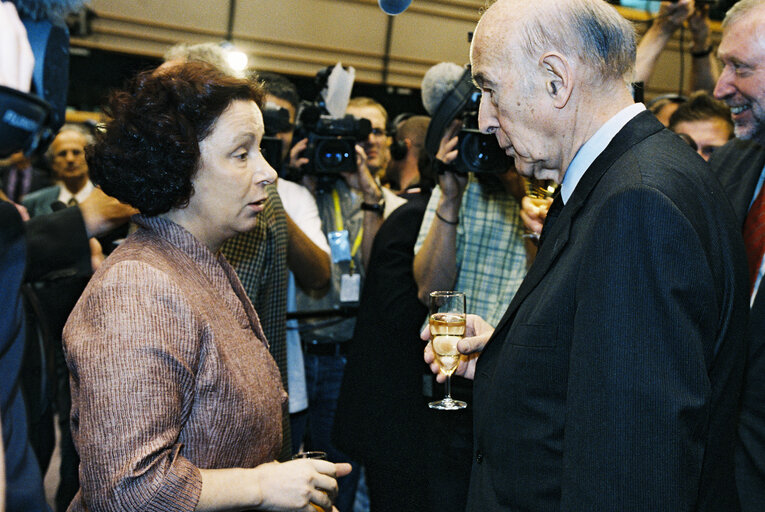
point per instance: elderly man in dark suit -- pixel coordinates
(612, 381)
(739, 165)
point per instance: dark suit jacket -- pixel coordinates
(24, 490)
(40, 179)
(381, 411)
(39, 201)
(739, 165)
(611, 383)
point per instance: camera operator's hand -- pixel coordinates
(103, 213)
(362, 180)
(672, 15)
(297, 160)
(698, 22)
(18, 60)
(452, 184)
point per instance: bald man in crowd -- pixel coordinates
(612, 381)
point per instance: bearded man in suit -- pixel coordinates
(612, 381)
(740, 165)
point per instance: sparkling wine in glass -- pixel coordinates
(539, 189)
(447, 327)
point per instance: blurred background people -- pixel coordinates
(307, 250)
(670, 17)
(66, 158)
(376, 146)
(352, 206)
(19, 176)
(164, 345)
(705, 120)
(407, 154)
(382, 415)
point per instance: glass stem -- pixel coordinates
(448, 388)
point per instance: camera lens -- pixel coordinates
(481, 153)
(333, 155)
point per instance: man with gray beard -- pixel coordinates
(740, 167)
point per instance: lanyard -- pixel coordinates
(339, 226)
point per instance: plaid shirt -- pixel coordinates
(260, 260)
(491, 258)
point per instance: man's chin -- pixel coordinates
(748, 131)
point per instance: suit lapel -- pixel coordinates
(639, 128)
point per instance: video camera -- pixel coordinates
(275, 121)
(29, 122)
(477, 152)
(331, 141)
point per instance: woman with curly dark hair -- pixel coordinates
(176, 401)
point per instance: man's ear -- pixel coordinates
(558, 78)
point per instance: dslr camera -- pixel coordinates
(477, 152)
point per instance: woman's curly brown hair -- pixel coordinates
(149, 151)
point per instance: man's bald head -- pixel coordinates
(590, 30)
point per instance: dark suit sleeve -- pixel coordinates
(57, 246)
(24, 490)
(750, 452)
(638, 391)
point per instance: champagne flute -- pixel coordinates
(447, 327)
(538, 189)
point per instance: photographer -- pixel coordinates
(671, 17)
(352, 206)
(470, 241)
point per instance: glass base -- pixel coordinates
(448, 404)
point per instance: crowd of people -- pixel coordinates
(192, 312)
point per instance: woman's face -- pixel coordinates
(229, 186)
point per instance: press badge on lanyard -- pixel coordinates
(342, 251)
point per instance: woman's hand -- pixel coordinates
(304, 484)
(297, 159)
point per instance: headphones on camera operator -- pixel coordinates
(476, 152)
(29, 122)
(398, 149)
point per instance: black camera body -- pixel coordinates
(275, 121)
(477, 152)
(332, 144)
(331, 141)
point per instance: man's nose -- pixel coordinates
(724, 86)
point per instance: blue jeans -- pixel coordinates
(324, 374)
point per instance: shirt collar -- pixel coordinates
(596, 144)
(64, 195)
